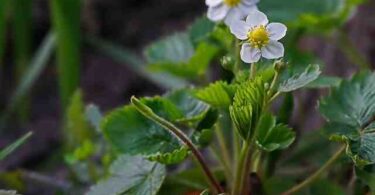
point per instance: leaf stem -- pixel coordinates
(317, 174)
(147, 112)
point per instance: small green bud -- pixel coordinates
(227, 62)
(279, 65)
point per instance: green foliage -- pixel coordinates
(173, 157)
(247, 107)
(218, 94)
(93, 116)
(299, 79)
(367, 176)
(201, 29)
(131, 133)
(131, 175)
(9, 149)
(350, 110)
(191, 108)
(77, 129)
(325, 82)
(66, 24)
(272, 136)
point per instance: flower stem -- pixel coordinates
(253, 70)
(317, 174)
(147, 112)
(237, 56)
(240, 176)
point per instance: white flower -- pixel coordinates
(229, 10)
(261, 38)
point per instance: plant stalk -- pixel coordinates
(317, 174)
(253, 70)
(240, 176)
(224, 151)
(147, 112)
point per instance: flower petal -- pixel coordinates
(276, 31)
(218, 12)
(246, 8)
(256, 18)
(233, 15)
(240, 29)
(273, 50)
(213, 3)
(250, 2)
(250, 54)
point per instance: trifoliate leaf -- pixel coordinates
(175, 48)
(247, 106)
(131, 133)
(218, 94)
(201, 29)
(272, 137)
(350, 111)
(131, 175)
(298, 80)
(193, 109)
(176, 156)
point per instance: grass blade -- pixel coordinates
(34, 69)
(9, 149)
(66, 23)
(135, 63)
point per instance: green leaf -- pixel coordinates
(218, 94)
(272, 137)
(247, 107)
(201, 29)
(298, 80)
(193, 109)
(131, 175)
(174, 48)
(325, 82)
(9, 149)
(76, 128)
(176, 156)
(131, 133)
(203, 137)
(350, 111)
(193, 67)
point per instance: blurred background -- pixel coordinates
(49, 49)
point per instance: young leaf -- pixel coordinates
(299, 80)
(350, 111)
(218, 94)
(131, 175)
(9, 149)
(272, 137)
(131, 133)
(247, 106)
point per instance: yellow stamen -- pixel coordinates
(232, 3)
(258, 36)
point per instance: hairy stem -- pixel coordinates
(317, 174)
(253, 70)
(147, 112)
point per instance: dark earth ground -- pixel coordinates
(133, 24)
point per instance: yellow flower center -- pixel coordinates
(232, 3)
(258, 36)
